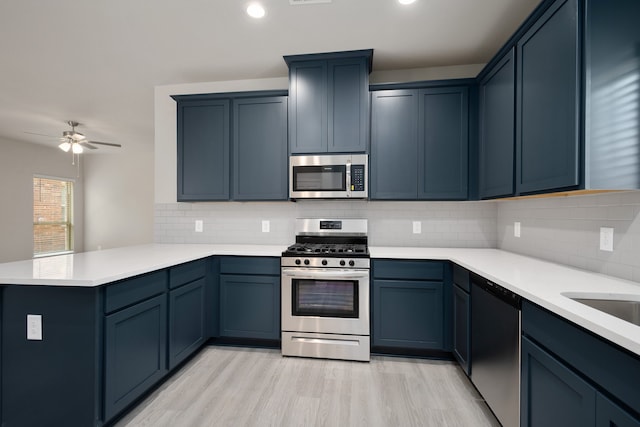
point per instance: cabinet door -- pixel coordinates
(461, 327)
(548, 113)
(608, 414)
(408, 314)
(497, 129)
(394, 144)
(260, 148)
(348, 108)
(443, 143)
(203, 150)
(186, 320)
(135, 352)
(250, 306)
(551, 394)
(308, 106)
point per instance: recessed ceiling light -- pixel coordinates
(255, 10)
(406, 1)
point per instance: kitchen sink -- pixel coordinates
(627, 310)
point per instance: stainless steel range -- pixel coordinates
(325, 290)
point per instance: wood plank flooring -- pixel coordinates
(231, 386)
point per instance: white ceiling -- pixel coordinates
(98, 61)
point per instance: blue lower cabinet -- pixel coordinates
(462, 328)
(135, 352)
(408, 314)
(554, 353)
(552, 394)
(608, 414)
(186, 320)
(250, 306)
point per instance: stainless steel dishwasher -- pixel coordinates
(495, 348)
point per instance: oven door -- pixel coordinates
(333, 301)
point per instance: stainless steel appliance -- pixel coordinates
(325, 290)
(329, 176)
(495, 348)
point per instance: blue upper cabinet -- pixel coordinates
(329, 108)
(576, 66)
(203, 150)
(260, 148)
(394, 144)
(420, 143)
(443, 143)
(241, 136)
(497, 129)
(548, 102)
(612, 65)
(308, 109)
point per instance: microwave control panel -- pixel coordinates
(357, 178)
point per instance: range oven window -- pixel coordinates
(325, 298)
(320, 178)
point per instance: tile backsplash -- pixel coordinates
(565, 230)
(444, 224)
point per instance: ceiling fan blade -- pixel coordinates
(41, 134)
(86, 144)
(111, 144)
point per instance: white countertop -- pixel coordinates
(541, 282)
(544, 283)
(99, 267)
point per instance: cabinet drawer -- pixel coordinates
(188, 272)
(130, 291)
(406, 269)
(461, 277)
(250, 265)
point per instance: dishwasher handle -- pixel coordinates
(498, 291)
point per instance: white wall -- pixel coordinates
(19, 162)
(118, 198)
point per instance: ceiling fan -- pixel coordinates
(75, 141)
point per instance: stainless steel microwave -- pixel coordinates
(332, 176)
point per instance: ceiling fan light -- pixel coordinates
(65, 146)
(77, 149)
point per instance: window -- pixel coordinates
(52, 216)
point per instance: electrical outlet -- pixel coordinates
(266, 225)
(34, 327)
(606, 239)
(199, 226)
(516, 229)
(417, 227)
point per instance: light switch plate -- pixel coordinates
(199, 226)
(606, 239)
(417, 227)
(34, 327)
(266, 225)
(516, 229)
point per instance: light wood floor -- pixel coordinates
(229, 386)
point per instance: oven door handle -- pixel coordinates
(325, 274)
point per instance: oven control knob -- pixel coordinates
(306, 262)
(342, 262)
(298, 262)
(324, 262)
(352, 263)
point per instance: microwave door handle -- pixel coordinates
(324, 274)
